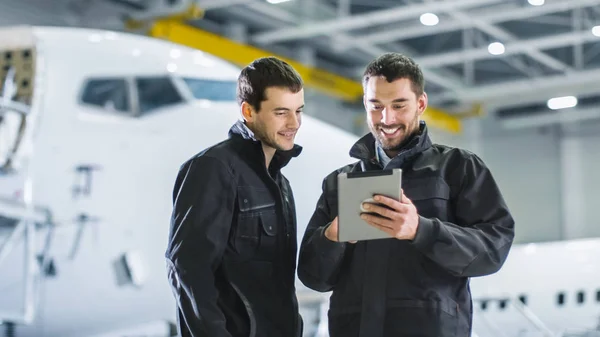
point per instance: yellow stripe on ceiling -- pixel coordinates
(318, 79)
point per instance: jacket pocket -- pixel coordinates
(424, 318)
(430, 196)
(256, 228)
(249, 310)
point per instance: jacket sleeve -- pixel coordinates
(479, 242)
(320, 258)
(204, 195)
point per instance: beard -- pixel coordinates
(260, 133)
(395, 144)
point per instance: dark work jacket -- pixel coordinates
(231, 252)
(420, 287)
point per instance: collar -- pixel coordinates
(241, 131)
(365, 148)
(381, 156)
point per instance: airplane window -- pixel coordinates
(213, 90)
(523, 299)
(598, 295)
(561, 298)
(156, 92)
(580, 297)
(109, 93)
(484, 305)
(502, 304)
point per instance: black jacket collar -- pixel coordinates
(281, 158)
(364, 148)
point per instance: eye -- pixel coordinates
(398, 107)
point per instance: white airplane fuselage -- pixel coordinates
(558, 283)
(133, 163)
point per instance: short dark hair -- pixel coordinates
(395, 66)
(263, 73)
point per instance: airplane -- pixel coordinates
(94, 126)
(543, 289)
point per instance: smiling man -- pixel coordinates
(450, 224)
(231, 252)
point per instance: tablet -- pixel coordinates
(354, 188)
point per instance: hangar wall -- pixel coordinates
(547, 175)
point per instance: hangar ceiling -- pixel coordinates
(508, 53)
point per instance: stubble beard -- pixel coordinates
(261, 134)
(394, 145)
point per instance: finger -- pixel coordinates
(388, 230)
(377, 221)
(394, 204)
(404, 199)
(383, 211)
(403, 209)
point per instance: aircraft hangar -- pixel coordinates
(514, 82)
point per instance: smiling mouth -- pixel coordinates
(288, 134)
(390, 132)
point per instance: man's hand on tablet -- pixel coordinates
(331, 232)
(399, 221)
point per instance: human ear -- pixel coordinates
(422, 103)
(247, 112)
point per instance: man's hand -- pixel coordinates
(331, 232)
(402, 221)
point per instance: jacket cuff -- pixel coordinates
(427, 233)
(329, 249)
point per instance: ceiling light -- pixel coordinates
(536, 2)
(496, 48)
(276, 1)
(429, 19)
(596, 31)
(565, 102)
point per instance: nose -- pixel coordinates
(293, 122)
(387, 116)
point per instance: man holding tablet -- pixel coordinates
(447, 222)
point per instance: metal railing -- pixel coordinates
(29, 220)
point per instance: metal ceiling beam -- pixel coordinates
(216, 4)
(505, 36)
(537, 118)
(491, 17)
(517, 47)
(444, 80)
(363, 20)
(515, 93)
